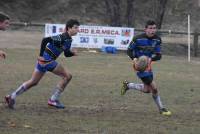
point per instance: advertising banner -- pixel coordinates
(95, 36)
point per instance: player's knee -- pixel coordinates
(147, 91)
(31, 83)
(155, 91)
(34, 83)
(67, 78)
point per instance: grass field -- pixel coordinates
(93, 101)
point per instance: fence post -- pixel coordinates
(195, 42)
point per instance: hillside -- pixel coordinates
(94, 12)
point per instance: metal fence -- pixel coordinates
(179, 39)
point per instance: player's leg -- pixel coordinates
(132, 86)
(150, 86)
(143, 87)
(37, 74)
(155, 95)
(157, 99)
(64, 74)
(66, 77)
(36, 77)
(124, 87)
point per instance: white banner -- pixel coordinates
(95, 36)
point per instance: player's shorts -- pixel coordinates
(144, 74)
(46, 66)
(147, 79)
(148, 72)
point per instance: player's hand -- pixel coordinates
(74, 51)
(135, 60)
(135, 63)
(2, 54)
(150, 61)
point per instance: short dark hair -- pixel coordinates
(70, 23)
(3, 17)
(150, 22)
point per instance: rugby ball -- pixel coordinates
(141, 63)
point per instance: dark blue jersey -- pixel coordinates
(148, 46)
(52, 47)
(144, 45)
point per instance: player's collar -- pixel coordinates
(66, 35)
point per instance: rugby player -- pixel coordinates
(4, 24)
(146, 44)
(51, 49)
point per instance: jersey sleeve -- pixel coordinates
(157, 51)
(131, 47)
(68, 53)
(158, 46)
(57, 40)
(44, 43)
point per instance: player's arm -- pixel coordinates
(70, 53)
(44, 42)
(2, 54)
(157, 51)
(156, 57)
(130, 50)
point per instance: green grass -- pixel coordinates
(93, 101)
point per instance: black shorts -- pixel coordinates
(147, 80)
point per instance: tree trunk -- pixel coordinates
(160, 12)
(116, 13)
(113, 12)
(108, 11)
(129, 12)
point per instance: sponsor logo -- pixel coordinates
(95, 40)
(126, 32)
(61, 30)
(104, 32)
(84, 39)
(124, 42)
(109, 41)
(53, 29)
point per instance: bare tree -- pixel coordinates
(34, 5)
(113, 11)
(199, 3)
(161, 7)
(129, 12)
